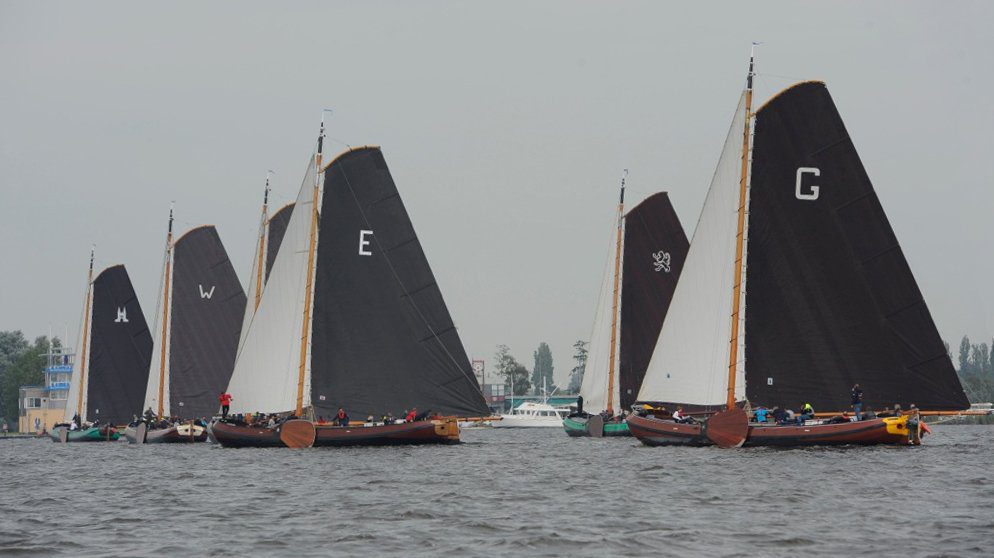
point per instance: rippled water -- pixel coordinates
(502, 492)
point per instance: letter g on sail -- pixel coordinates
(798, 187)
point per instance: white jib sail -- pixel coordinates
(690, 361)
(155, 367)
(267, 366)
(82, 361)
(597, 372)
(252, 281)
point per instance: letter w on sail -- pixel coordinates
(206, 294)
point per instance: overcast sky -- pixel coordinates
(505, 125)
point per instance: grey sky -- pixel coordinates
(506, 126)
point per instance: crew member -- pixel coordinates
(807, 413)
(342, 419)
(411, 415)
(225, 400)
(857, 401)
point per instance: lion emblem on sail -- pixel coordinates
(661, 261)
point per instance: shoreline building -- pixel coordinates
(42, 407)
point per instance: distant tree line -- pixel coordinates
(21, 364)
(976, 370)
(516, 375)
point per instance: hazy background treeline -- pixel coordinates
(976, 369)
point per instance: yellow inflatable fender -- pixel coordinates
(897, 425)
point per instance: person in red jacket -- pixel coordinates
(225, 400)
(410, 416)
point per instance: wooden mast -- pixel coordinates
(165, 315)
(737, 282)
(614, 303)
(83, 352)
(260, 264)
(308, 290)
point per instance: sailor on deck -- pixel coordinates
(225, 400)
(342, 418)
(857, 401)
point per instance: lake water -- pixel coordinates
(501, 493)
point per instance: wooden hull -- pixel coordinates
(868, 432)
(179, 434)
(653, 431)
(407, 433)
(241, 436)
(425, 432)
(92, 434)
(579, 427)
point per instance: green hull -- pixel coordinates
(92, 434)
(578, 428)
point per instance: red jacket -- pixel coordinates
(225, 399)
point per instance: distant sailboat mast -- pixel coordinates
(165, 315)
(83, 350)
(739, 238)
(263, 228)
(615, 296)
(305, 327)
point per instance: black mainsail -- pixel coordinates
(110, 379)
(382, 337)
(655, 247)
(207, 304)
(830, 298)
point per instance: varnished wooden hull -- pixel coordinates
(232, 435)
(867, 432)
(408, 433)
(653, 431)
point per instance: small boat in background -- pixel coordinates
(647, 256)
(114, 352)
(533, 415)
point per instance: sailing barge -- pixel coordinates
(199, 320)
(115, 349)
(792, 220)
(646, 257)
(351, 317)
